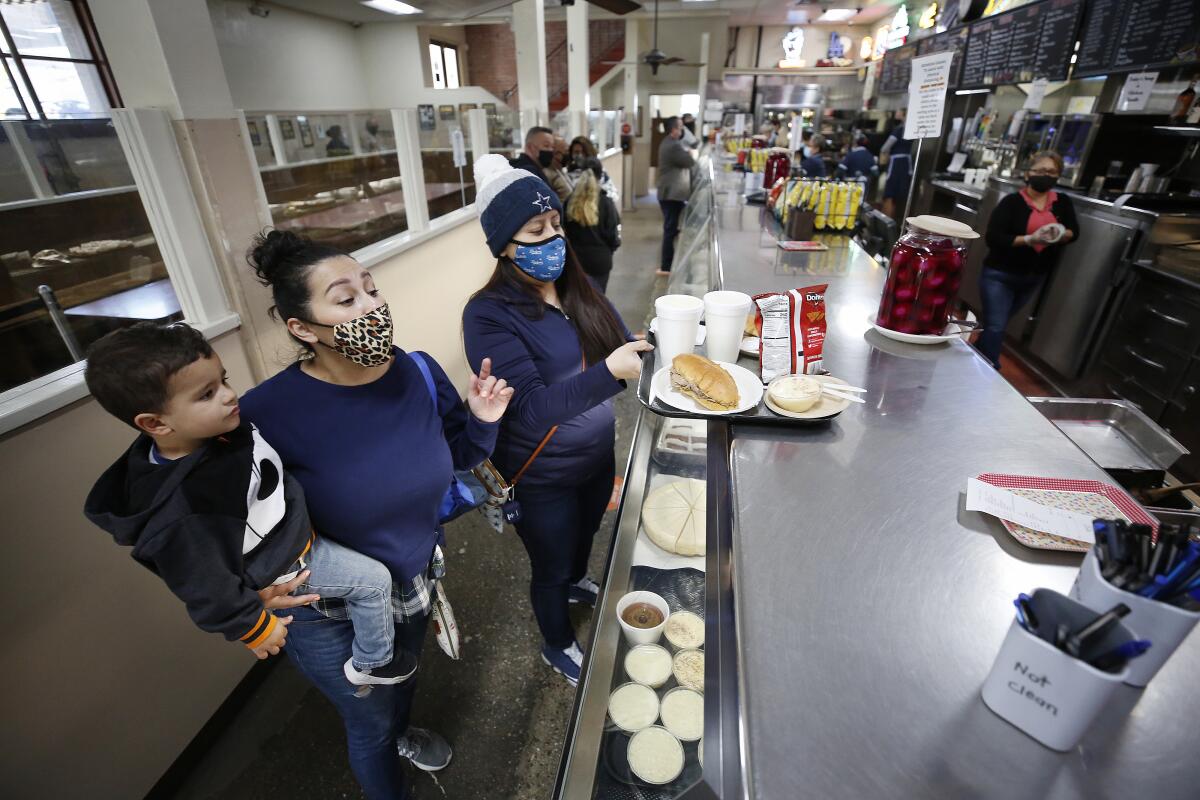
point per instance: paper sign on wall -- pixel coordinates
(458, 146)
(1037, 92)
(927, 95)
(1081, 104)
(1135, 94)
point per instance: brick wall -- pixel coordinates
(492, 54)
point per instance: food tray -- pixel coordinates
(1100, 500)
(759, 415)
(1114, 433)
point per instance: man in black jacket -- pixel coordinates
(538, 156)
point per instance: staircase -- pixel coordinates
(611, 49)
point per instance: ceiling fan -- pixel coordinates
(655, 58)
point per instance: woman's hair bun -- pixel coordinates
(276, 251)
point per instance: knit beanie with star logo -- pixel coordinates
(506, 198)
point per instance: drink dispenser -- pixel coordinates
(924, 274)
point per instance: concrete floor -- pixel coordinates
(501, 708)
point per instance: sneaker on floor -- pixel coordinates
(425, 749)
(398, 670)
(585, 591)
(565, 662)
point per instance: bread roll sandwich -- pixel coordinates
(704, 381)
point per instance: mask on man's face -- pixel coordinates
(545, 157)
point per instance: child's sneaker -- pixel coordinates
(398, 670)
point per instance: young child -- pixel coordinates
(205, 504)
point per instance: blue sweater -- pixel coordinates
(543, 361)
(374, 460)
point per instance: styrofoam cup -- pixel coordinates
(1043, 690)
(635, 636)
(1164, 626)
(677, 325)
(725, 321)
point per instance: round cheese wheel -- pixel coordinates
(685, 630)
(633, 707)
(683, 714)
(674, 517)
(648, 664)
(688, 669)
(655, 755)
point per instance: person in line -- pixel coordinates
(898, 152)
(812, 163)
(538, 156)
(373, 434)
(556, 175)
(337, 145)
(858, 163)
(582, 149)
(564, 349)
(178, 498)
(689, 138)
(674, 185)
(1026, 234)
(593, 225)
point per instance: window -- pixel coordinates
(443, 62)
(53, 67)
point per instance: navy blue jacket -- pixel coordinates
(374, 460)
(858, 163)
(813, 166)
(543, 361)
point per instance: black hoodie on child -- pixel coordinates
(216, 526)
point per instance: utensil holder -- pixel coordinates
(1044, 691)
(1165, 626)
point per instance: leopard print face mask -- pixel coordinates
(365, 340)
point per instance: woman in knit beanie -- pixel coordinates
(564, 349)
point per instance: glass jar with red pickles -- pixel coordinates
(924, 274)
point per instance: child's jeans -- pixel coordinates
(366, 586)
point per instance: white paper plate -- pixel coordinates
(749, 386)
(749, 346)
(951, 333)
(700, 331)
(825, 407)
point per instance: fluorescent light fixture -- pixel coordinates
(391, 6)
(837, 15)
(972, 91)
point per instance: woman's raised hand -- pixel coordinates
(488, 395)
(624, 363)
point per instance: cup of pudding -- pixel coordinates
(642, 615)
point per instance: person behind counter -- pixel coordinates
(812, 163)
(593, 225)
(372, 434)
(565, 350)
(898, 152)
(1025, 236)
(858, 163)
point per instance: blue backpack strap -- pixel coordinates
(419, 360)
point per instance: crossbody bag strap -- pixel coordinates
(541, 445)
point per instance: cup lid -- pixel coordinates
(943, 226)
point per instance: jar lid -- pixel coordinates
(943, 226)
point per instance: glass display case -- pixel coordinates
(649, 718)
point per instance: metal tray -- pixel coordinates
(1114, 433)
(760, 414)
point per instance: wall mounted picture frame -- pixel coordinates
(463, 108)
(490, 108)
(255, 136)
(446, 112)
(287, 129)
(426, 118)
(306, 137)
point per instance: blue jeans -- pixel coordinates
(318, 647)
(366, 586)
(1004, 294)
(557, 526)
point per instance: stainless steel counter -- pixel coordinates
(869, 606)
(959, 187)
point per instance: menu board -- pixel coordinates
(897, 69)
(978, 39)
(996, 69)
(1059, 22)
(1023, 46)
(1130, 35)
(954, 40)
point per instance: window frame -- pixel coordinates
(442, 48)
(99, 60)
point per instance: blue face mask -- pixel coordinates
(542, 260)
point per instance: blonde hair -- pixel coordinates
(583, 206)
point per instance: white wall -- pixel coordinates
(816, 44)
(396, 59)
(289, 60)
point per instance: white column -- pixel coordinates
(529, 30)
(577, 68)
(702, 90)
(630, 94)
(276, 134)
(602, 133)
(355, 138)
(477, 126)
(412, 172)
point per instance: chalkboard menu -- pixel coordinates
(954, 40)
(1023, 46)
(996, 69)
(1059, 22)
(974, 67)
(897, 69)
(1130, 35)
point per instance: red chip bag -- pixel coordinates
(811, 324)
(792, 332)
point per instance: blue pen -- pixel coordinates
(1025, 613)
(1115, 658)
(1162, 583)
